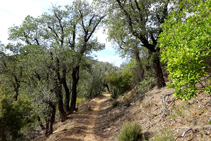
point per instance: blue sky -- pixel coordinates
(14, 11)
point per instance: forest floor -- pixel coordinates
(157, 112)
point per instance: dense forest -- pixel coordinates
(48, 69)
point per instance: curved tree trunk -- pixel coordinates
(158, 71)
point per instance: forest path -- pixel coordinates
(81, 125)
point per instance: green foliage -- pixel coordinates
(130, 132)
(80, 101)
(122, 80)
(14, 116)
(93, 78)
(185, 43)
(145, 85)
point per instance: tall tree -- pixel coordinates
(63, 38)
(89, 21)
(140, 19)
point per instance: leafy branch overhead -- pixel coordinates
(185, 44)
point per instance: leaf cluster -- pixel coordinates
(185, 43)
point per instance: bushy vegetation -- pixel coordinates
(119, 81)
(123, 79)
(145, 85)
(185, 43)
(14, 116)
(130, 132)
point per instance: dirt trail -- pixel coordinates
(81, 125)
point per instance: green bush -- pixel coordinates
(119, 81)
(186, 43)
(14, 116)
(130, 132)
(145, 85)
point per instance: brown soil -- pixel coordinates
(102, 122)
(81, 125)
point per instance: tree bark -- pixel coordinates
(106, 85)
(50, 120)
(67, 91)
(140, 66)
(75, 77)
(158, 71)
(40, 123)
(59, 96)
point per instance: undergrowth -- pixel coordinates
(130, 132)
(166, 135)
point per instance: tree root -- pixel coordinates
(193, 129)
(166, 102)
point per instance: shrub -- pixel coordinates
(120, 81)
(130, 132)
(14, 116)
(146, 85)
(80, 101)
(185, 44)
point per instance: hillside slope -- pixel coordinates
(155, 111)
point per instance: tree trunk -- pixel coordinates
(58, 92)
(50, 120)
(106, 85)
(140, 67)
(67, 91)
(75, 77)
(62, 112)
(40, 123)
(158, 71)
(16, 93)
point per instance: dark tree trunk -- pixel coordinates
(67, 91)
(59, 96)
(140, 66)
(40, 123)
(158, 71)
(106, 85)
(58, 91)
(16, 93)
(75, 77)
(50, 120)
(16, 86)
